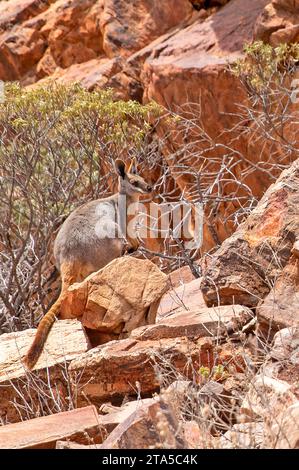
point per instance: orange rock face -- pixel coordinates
(246, 265)
(188, 73)
(129, 26)
(39, 38)
(72, 34)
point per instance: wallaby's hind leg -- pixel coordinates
(70, 273)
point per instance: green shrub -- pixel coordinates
(264, 65)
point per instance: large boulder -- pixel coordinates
(118, 298)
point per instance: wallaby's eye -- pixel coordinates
(135, 183)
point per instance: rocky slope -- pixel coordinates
(194, 379)
(155, 360)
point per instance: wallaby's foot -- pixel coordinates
(131, 249)
(128, 250)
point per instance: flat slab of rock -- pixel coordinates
(66, 341)
(111, 420)
(198, 323)
(42, 433)
(181, 297)
(127, 367)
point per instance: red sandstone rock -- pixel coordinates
(185, 296)
(127, 27)
(191, 66)
(40, 37)
(284, 432)
(244, 436)
(196, 323)
(81, 425)
(21, 391)
(121, 296)
(181, 276)
(248, 262)
(278, 23)
(267, 396)
(123, 367)
(150, 425)
(286, 345)
(280, 307)
(16, 11)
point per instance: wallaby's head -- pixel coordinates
(129, 182)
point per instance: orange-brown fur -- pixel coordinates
(70, 273)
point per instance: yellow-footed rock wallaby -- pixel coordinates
(90, 238)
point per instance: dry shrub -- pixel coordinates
(57, 147)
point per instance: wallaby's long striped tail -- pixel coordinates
(42, 333)
(70, 273)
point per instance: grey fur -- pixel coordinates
(85, 236)
(78, 239)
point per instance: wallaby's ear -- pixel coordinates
(120, 167)
(133, 166)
